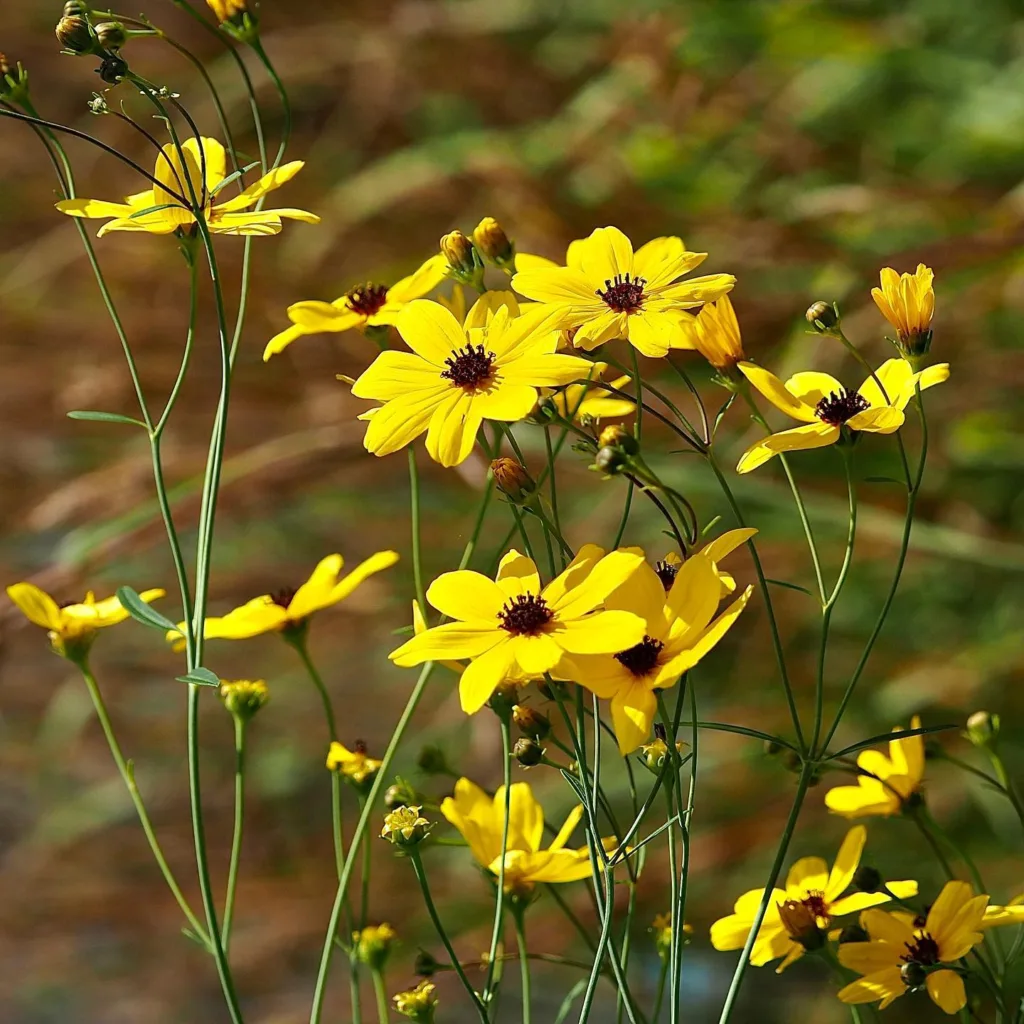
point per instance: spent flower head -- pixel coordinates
(418, 1004)
(244, 697)
(405, 826)
(372, 946)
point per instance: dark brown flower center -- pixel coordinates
(622, 294)
(642, 659)
(923, 951)
(367, 299)
(841, 405)
(359, 746)
(525, 615)
(667, 573)
(815, 903)
(283, 597)
(469, 368)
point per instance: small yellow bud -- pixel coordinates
(821, 316)
(373, 945)
(418, 1004)
(405, 826)
(616, 436)
(982, 729)
(73, 30)
(653, 754)
(225, 10)
(244, 697)
(512, 479)
(491, 240)
(459, 252)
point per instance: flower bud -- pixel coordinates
(528, 752)
(399, 794)
(112, 69)
(13, 81)
(868, 879)
(801, 924)
(822, 316)
(530, 722)
(426, 964)
(653, 754)
(853, 933)
(463, 259)
(111, 35)
(244, 697)
(504, 699)
(913, 975)
(610, 461)
(491, 240)
(434, 761)
(772, 747)
(983, 729)
(512, 479)
(543, 412)
(418, 1004)
(616, 436)
(373, 945)
(405, 826)
(73, 30)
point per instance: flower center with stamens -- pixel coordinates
(815, 903)
(923, 951)
(283, 597)
(469, 368)
(667, 573)
(835, 409)
(642, 659)
(622, 294)
(525, 615)
(367, 299)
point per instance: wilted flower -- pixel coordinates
(244, 697)
(405, 826)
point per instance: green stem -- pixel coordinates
(524, 963)
(660, 995)
(499, 897)
(297, 640)
(236, 838)
(383, 1015)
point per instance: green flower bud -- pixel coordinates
(822, 316)
(528, 752)
(372, 946)
(111, 35)
(983, 729)
(244, 697)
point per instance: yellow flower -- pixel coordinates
(1012, 913)
(607, 291)
(289, 609)
(681, 629)
(716, 335)
(366, 305)
(418, 1003)
(71, 623)
(373, 944)
(224, 10)
(902, 955)
(205, 169)
(826, 407)
(813, 895)
(888, 783)
(591, 403)
(454, 378)
(907, 301)
(481, 820)
(512, 628)
(354, 765)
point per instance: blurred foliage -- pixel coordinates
(802, 144)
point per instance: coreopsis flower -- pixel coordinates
(365, 305)
(373, 944)
(419, 1003)
(799, 916)
(828, 409)
(405, 826)
(481, 820)
(907, 301)
(455, 377)
(682, 628)
(244, 697)
(902, 955)
(590, 402)
(716, 335)
(158, 211)
(354, 765)
(668, 567)
(225, 10)
(887, 785)
(511, 627)
(71, 627)
(607, 291)
(289, 609)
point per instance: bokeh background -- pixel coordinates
(803, 145)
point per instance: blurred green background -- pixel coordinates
(803, 145)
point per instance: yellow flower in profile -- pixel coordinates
(455, 377)
(366, 305)
(159, 211)
(355, 765)
(417, 1003)
(224, 10)
(907, 301)
(903, 955)
(289, 609)
(887, 784)
(512, 628)
(804, 910)
(827, 408)
(75, 622)
(481, 820)
(716, 335)
(608, 291)
(590, 402)
(681, 629)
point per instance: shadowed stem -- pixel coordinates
(524, 961)
(236, 838)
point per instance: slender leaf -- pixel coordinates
(887, 736)
(155, 209)
(790, 586)
(234, 177)
(740, 730)
(200, 677)
(707, 529)
(142, 612)
(574, 993)
(104, 417)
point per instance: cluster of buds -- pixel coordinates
(513, 480)
(244, 697)
(372, 946)
(465, 263)
(616, 450)
(236, 19)
(405, 827)
(490, 239)
(418, 1004)
(79, 36)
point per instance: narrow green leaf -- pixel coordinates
(885, 737)
(200, 677)
(574, 993)
(707, 529)
(885, 480)
(142, 612)
(155, 209)
(104, 417)
(790, 586)
(234, 177)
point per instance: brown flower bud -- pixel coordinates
(821, 315)
(530, 722)
(512, 479)
(73, 30)
(528, 752)
(458, 250)
(111, 35)
(491, 240)
(801, 924)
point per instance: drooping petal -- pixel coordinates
(811, 435)
(947, 991)
(727, 543)
(270, 181)
(36, 605)
(453, 428)
(280, 342)
(484, 674)
(536, 655)
(695, 291)
(506, 402)
(401, 421)
(394, 374)
(885, 985)
(315, 316)
(450, 640)
(364, 570)
(776, 392)
(633, 711)
(93, 208)
(255, 617)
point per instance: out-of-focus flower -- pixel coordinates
(716, 335)
(590, 402)
(888, 783)
(244, 697)
(606, 291)
(481, 820)
(799, 916)
(827, 408)
(907, 301)
(511, 626)
(418, 1003)
(366, 305)
(354, 765)
(225, 10)
(902, 955)
(289, 609)
(373, 944)
(159, 211)
(454, 378)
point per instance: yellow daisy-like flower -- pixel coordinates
(826, 407)
(455, 377)
(366, 305)
(160, 211)
(607, 291)
(903, 955)
(889, 783)
(355, 765)
(681, 629)
(805, 909)
(591, 403)
(481, 820)
(511, 628)
(716, 335)
(907, 301)
(289, 608)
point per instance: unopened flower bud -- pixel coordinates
(530, 722)
(491, 240)
(463, 259)
(772, 747)
(399, 794)
(528, 752)
(913, 975)
(433, 761)
(373, 945)
(801, 924)
(111, 35)
(512, 479)
(616, 436)
(822, 315)
(73, 30)
(418, 1004)
(653, 754)
(868, 879)
(405, 826)
(504, 699)
(610, 461)
(426, 964)
(543, 412)
(244, 697)
(853, 933)
(983, 729)
(112, 69)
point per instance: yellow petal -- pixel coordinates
(846, 863)
(947, 991)
(807, 874)
(601, 633)
(280, 342)
(879, 420)
(451, 640)
(36, 605)
(885, 985)
(93, 208)
(483, 675)
(776, 392)
(464, 594)
(605, 576)
(431, 331)
(633, 711)
(270, 181)
(810, 387)
(811, 435)
(422, 280)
